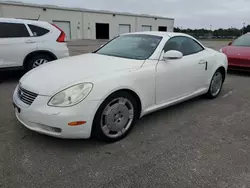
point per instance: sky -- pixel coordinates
(187, 13)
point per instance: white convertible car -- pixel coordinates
(103, 93)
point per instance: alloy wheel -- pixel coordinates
(117, 117)
(216, 83)
(39, 62)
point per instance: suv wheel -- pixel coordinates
(37, 60)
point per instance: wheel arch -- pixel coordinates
(223, 71)
(131, 92)
(39, 52)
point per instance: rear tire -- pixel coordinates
(115, 117)
(37, 61)
(215, 85)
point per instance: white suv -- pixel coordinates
(28, 44)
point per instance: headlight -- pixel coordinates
(71, 96)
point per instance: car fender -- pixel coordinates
(140, 81)
(219, 60)
(25, 55)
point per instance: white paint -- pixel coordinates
(158, 84)
(192, 79)
(226, 95)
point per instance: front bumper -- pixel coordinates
(53, 121)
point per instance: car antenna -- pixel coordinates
(38, 17)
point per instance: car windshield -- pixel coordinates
(242, 41)
(135, 46)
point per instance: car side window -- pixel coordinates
(38, 31)
(185, 45)
(13, 30)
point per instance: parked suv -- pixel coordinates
(28, 44)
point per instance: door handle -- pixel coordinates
(29, 41)
(202, 63)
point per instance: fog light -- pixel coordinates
(48, 128)
(76, 123)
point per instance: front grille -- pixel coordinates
(26, 96)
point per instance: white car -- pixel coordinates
(103, 93)
(28, 44)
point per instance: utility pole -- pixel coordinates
(243, 27)
(211, 32)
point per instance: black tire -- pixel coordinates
(30, 62)
(210, 94)
(97, 131)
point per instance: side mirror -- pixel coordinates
(230, 43)
(172, 54)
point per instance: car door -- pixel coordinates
(177, 78)
(15, 44)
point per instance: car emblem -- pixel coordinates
(20, 94)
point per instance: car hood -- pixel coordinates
(52, 77)
(235, 51)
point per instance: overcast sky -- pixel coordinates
(187, 13)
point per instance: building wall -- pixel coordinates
(90, 19)
(82, 24)
(155, 23)
(164, 22)
(50, 15)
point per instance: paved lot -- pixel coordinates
(200, 143)
(214, 44)
(84, 46)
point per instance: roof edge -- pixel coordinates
(17, 3)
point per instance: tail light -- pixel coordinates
(62, 36)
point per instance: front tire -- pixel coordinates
(115, 117)
(215, 85)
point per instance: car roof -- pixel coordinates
(15, 20)
(159, 33)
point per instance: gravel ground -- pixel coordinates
(199, 143)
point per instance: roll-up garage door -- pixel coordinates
(146, 28)
(124, 28)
